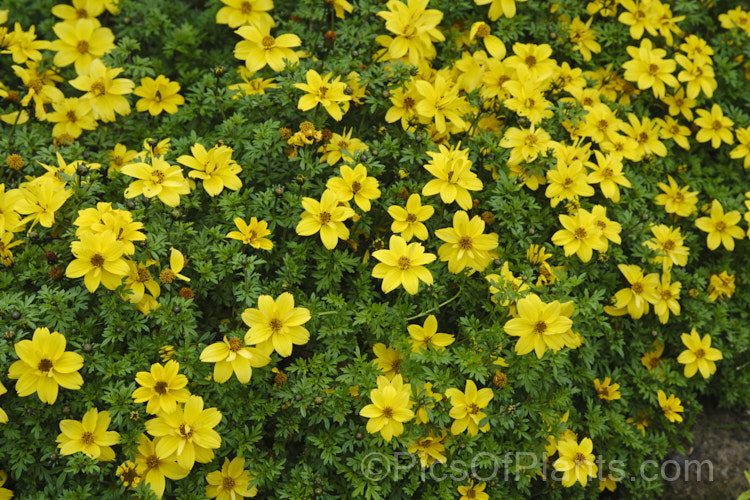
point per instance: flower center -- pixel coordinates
(653, 69)
(530, 140)
(403, 263)
(227, 484)
(322, 91)
(97, 88)
(325, 218)
(152, 462)
(82, 46)
(275, 325)
(246, 8)
(82, 14)
(268, 42)
(167, 276)
(465, 243)
(668, 245)
(643, 137)
(356, 186)
(44, 365)
(157, 176)
(408, 103)
(87, 439)
(143, 275)
(160, 387)
(97, 260)
(185, 431)
(721, 225)
(580, 233)
(411, 218)
(35, 84)
(700, 353)
(71, 116)
(530, 61)
(473, 409)
(716, 125)
(540, 327)
(235, 344)
(483, 30)
(637, 288)
(579, 459)
(388, 412)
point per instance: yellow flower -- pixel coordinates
(494, 45)
(473, 491)
(429, 449)
(153, 467)
(276, 324)
(426, 336)
(607, 172)
(642, 292)
(259, 49)
(105, 93)
(581, 235)
(23, 45)
(128, 472)
(40, 85)
(645, 133)
(89, 436)
(722, 228)
(387, 359)
(669, 128)
(157, 95)
(10, 221)
(43, 196)
(699, 76)
(499, 8)
(583, 37)
(81, 43)
(669, 294)
(236, 13)
(567, 182)
(253, 234)
(231, 356)
(721, 286)
(354, 183)
(389, 408)
(440, 102)
(532, 61)
(679, 103)
(404, 106)
(341, 146)
(466, 406)
(161, 388)
(606, 390)
(214, 167)
(231, 482)
(188, 432)
(250, 87)
(402, 264)
(525, 99)
(408, 222)
(466, 245)
(454, 179)
(715, 127)
(81, 9)
(415, 28)
(576, 462)
(98, 258)
(699, 355)
(675, 199)
(320, 90)
(539, 325)
(3, 415)
(120, 222)
(742, 150)
(325, 216)
(71, 116)
(43, 365)
(649, 69)
(158, 178)
(176, 265)
(652, 358)
(670, 406)
(526, 145)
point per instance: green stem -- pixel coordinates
(425, 313)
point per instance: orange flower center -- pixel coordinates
(235, 344)
(637, 288)
(227, 483)
(268, 42)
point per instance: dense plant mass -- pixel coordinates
(403, 249)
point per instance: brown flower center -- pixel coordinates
(275, 325)
(235, 344)
(322, 91)
(87, 439)
(356, 186)
(388, 412)
(143, 275)
(35, 84)
(465, 243)
(530, 61)
(227, 484)
(716, 125)
(157, 176)
(82, 14)
(152, 462)
(167, 276)
(473, 409)
(700, 353)
(97, 260)
(246, 8)
(160, 387)
(97, 88)
(411, 218)
(668, 245)
(483, 30)
(579, 459)
(82, 47)
(185, 431)
(403, 263)
(653, 69)
(637, 288)
(721, 225)
(643, 138)
(44, 365)
(71, 116)
(540, 327)
(268, 42)
(580, 233)
(325, 218)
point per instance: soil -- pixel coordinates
(722, 438)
